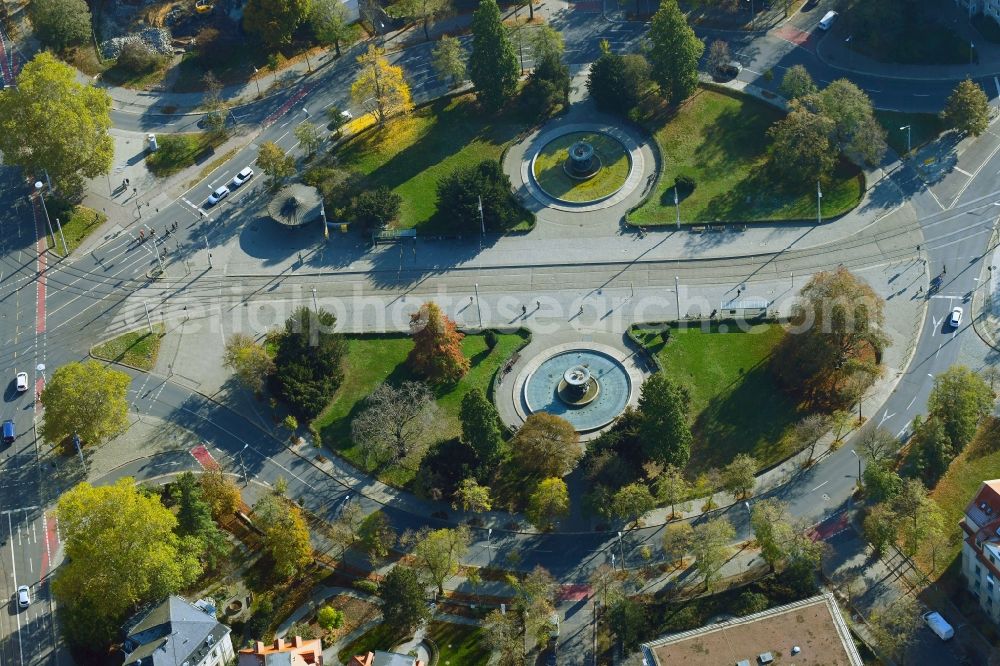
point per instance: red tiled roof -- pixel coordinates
(985, 506)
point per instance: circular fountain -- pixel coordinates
(583, 162)
(586, 387)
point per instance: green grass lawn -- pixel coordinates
(138, 348)
(411, 153)
(551, 174)
(179, 151)
(978, 462)
(77, 222)
(736, 406)
(371, 360)
(924, 127)
(720, 140)
(459, 644)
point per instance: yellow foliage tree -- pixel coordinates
(381, 83)
(121, 552)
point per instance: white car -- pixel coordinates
(240, 178)
(218, 195)
(956, 317)
(22, 382)
(23, 596)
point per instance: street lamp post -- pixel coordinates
(819, 203)
(156, 251)
(76, 443)
(478, 308)
(41, 195)
(612, 561)
(972, 52)
(149, 322)
(489, 544)
(746, 505)
(256, 80)
(908, 134)
(246, 482)
(315, 306)
(62, 237)
(621, 547)
(207, 249)
(855, 454)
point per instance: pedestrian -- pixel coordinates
(470, 299)
(142, 235)
(524, 310)
(944, 269)
(738, 292)
(538, 305)
(127, 182)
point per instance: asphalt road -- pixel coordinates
(26, 534)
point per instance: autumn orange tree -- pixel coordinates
(437, 349)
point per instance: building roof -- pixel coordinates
(283, 652)
(172, 634)
(985, 506)
(813, 625)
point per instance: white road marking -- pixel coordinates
(13, 566)
(819, 486)
(885, 417)
(913, 400)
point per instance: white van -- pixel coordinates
(827, 21)
(939, 625)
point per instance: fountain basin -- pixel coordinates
(555, 387)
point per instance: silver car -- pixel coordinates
(956, 317)
(218, 195)
(240, 178)
(23, 596)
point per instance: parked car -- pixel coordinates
(956, 317)
(240, 178)
(218, 195)
(8, 431)
(939, 625)
(22, 382)
(827, 20)
(23, 596)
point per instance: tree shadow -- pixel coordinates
(752, 416)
